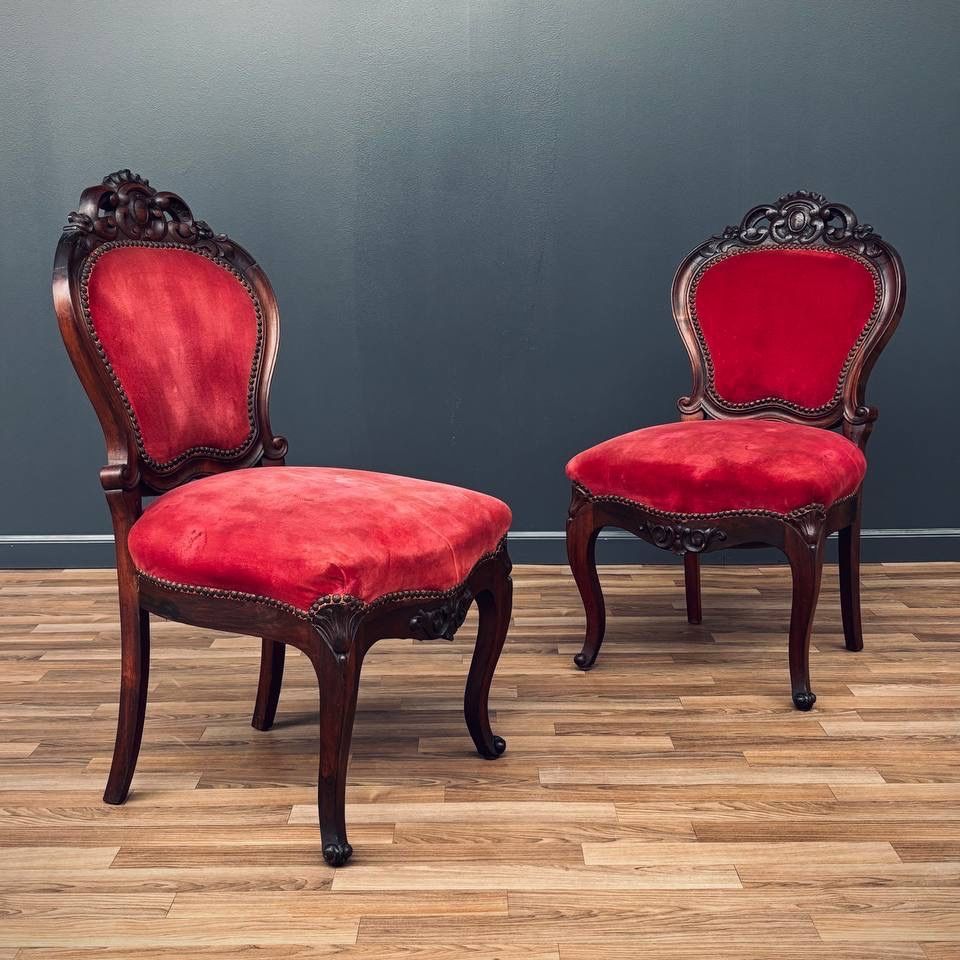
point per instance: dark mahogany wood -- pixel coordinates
(691, 582)
(583, 528)
(272, 655)
(334, 637)
(800, 220)
(849, 556)
(337, 637)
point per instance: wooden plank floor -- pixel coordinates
(669, 804)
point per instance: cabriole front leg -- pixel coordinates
(803, 544)
(495, 605)
(582, 533)
(337, 659)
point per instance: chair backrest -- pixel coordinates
(173, 332)
(784, 315)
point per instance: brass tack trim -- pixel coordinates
(219, 453)
(837, 398)
(323, 602)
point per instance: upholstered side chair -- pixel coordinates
(783, 317)
(174, 331)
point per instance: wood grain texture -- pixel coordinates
(653, 807)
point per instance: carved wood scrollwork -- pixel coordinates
(125, 210)
(809, 524)
(803, 218)
(442, 621)
(337, 622)
(127, 207)
(579, 498)
(796, 221)
(683, 539)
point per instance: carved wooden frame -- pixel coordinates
(125, 210)
(802, 220)
(337, 631)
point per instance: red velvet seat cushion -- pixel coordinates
(709, 466)
(295, 534)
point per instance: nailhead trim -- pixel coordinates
(780, 401)
(214, 593)
(321, 603)
(792, 515)
(198, 451)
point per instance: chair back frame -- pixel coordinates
(125, 209)
(801, 220)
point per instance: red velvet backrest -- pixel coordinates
(181, 333)
(784, 315)
(173, 331)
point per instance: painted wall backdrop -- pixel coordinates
(471, 213)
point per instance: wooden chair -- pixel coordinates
(174, 332)
(783, 317)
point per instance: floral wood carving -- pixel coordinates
(337, 622)
(579, 498)
(810, 523)
(122, 210)
(803, 218)
(127, 207)
(682, 539)
(796, 221)
(444, 620)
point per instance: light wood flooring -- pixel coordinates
(671, 803)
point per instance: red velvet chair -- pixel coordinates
(174, 332)
(783, 318)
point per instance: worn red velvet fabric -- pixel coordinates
(299, 533)
(708, 466)
(180, 332)
(780, 323)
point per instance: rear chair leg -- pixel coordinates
(691, 579)
(272, 654)
(134, 675)
(850, 583)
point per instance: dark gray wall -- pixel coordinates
(471, 213)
